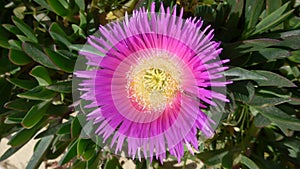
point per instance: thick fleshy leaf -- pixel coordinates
(241, 48)
(9, 152)
(58, 34)
(41, 75)
(80, 4)
(15, 44)
(64, 129)
(228, 159)
(70, 153)
(25, 29)
(292, 42)
(239, 73)
(273, 79)
(267, 101)
(39, 152)
(61, 61)
(252, 11)
(248, 162)
(273, 19)
(274, 53)
(38, 93)
(43, 4)
(4, 38)
(37, 54)
(12, 28)
(35, 114)
(75, 128)
(58, 8)
(85, 149)
(272, 5)
(62, 87)
(14, 118)
(293, 146)
(24, 135)
(79, 164)
(279, 117)
(20, 104)
(86, 48)
(18, 57)
(24, 84)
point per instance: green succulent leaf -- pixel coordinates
(37, 54)
(23, 84)
(248, 162)
(20, 104)
(11, 151)
(70, 154)
(58, 7)
(273, 19)
(19, 57)
(239, 73)
(58, 34)
(24, 135)
(25, 29)
(61, 87)
(38, 93)
(279, 117)
(273, 79)
(41, 75)
(60, 60)
(35, 114)
(39, 152)
(252, 12)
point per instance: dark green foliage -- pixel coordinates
(39, 45)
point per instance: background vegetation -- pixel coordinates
(39, 43)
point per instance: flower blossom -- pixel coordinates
(150, 83)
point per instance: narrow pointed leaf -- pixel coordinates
(24, 135)
(61, 87)
(238, 73)
(70, 154)
(39, 152)
(23, 84)
(248, 162)
(280, 118)
(60, 60)
(273, 19)
(253, 9)
(18, 57)
(37, 54)
(41, 75)
(38, 93)
(20, 104)
(58, 8)
(35, 114)
(273, 79)
(25, 29)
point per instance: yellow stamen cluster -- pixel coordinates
(153, 83)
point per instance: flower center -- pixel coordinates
(153, 84)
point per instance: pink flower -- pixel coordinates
(151, 81)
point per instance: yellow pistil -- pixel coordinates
(153, 84)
